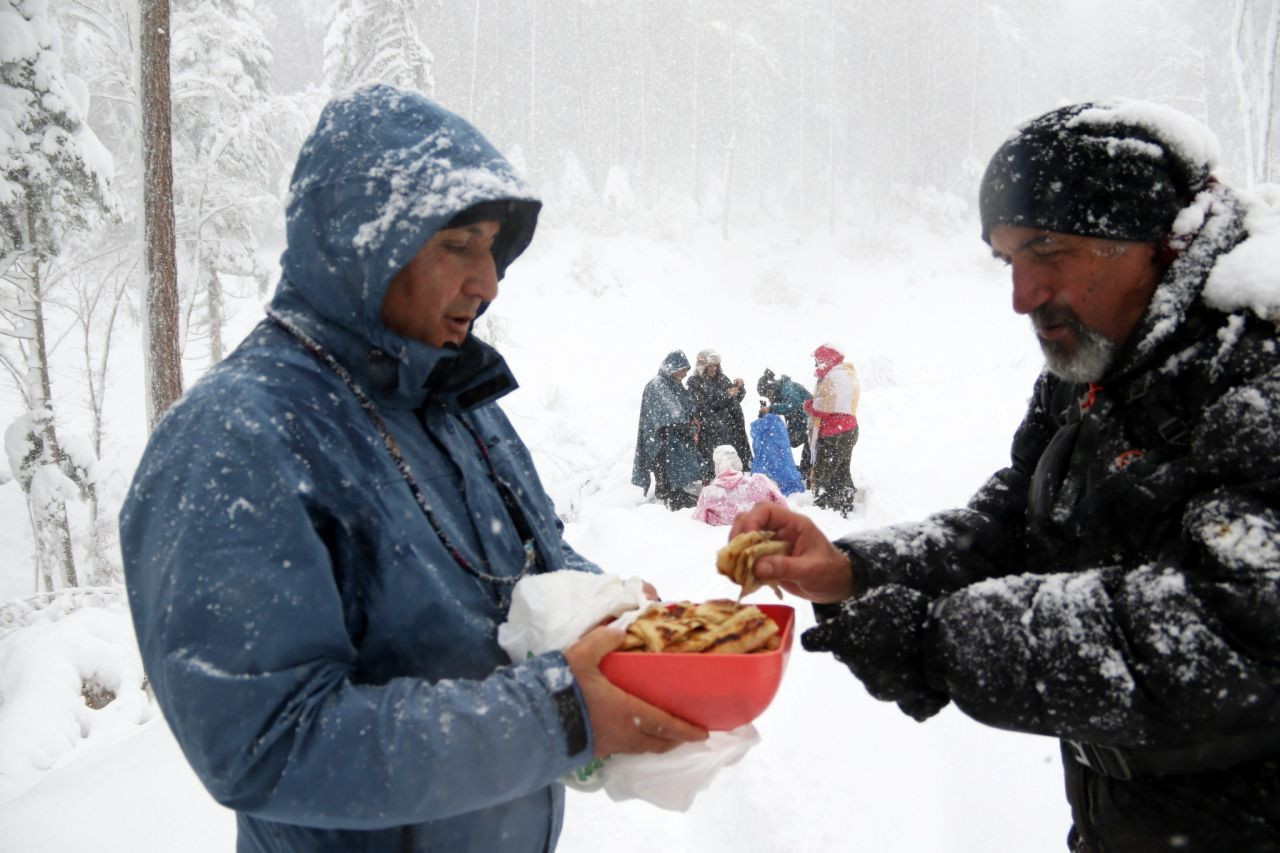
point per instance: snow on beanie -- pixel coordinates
(1120, 170)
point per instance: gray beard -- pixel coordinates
(1093, 354)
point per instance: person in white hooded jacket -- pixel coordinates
(834, 429)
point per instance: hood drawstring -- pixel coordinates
(531, 557)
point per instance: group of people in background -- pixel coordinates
(692, 446)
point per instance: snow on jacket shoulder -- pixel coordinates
(329, 669)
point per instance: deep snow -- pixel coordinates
(584, 319)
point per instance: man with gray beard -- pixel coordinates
(1117, 586)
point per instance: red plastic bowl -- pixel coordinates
(717, 692)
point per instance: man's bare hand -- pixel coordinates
(620, 722)
(814, 569)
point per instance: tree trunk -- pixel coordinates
(53, 532)
(730, 149)
(163, 359)
(697, 118)
(831, 122)
(475, 59)
(728, 185)
(641, 180)
(533, 84)
(1243, 100)
(1266, 112)
(803, 116)
(214, 305)
(53, 527)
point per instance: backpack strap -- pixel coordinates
(1162, 412)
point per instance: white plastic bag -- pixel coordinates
(548, 613)
(671, 780)
(552, 610)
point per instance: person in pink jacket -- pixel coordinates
(732, 491)
(834, 430)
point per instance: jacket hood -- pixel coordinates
(726, 459)
(705, 359)
(827, 357)
(674, 363)
(1204, 232)
(382, 172)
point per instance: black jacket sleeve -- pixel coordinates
(1174, 649)
(952, 549)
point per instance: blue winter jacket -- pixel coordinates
(328, 668)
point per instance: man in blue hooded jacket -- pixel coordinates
(323, 535)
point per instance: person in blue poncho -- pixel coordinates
(773, 452)
(323, 535)
(785, 397)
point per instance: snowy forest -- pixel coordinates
(733, 113)
(776, 154)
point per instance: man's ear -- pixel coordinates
(1167, 251)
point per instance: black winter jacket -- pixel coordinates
(1119, 582)
(719, 407)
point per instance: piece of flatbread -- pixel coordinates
(719, 626)
(745, 631)
(656, 630)
(737, 559)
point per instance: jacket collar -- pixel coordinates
(1219, 227)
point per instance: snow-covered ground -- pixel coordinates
(585, 319)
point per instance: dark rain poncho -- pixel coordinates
(664, 438)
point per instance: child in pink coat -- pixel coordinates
(732, 491)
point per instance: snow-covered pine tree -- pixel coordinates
(102, 49)
(230, 141)
(54, 182)
(1255, 37)
(376, 40)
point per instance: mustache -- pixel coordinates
(1056, 315)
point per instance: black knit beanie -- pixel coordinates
(1095, 170)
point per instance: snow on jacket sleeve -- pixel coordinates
(1130, 656)
(957, 547)
(1179, 648)
(246, 628)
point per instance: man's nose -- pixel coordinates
(483, 277)
(1031, 288)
